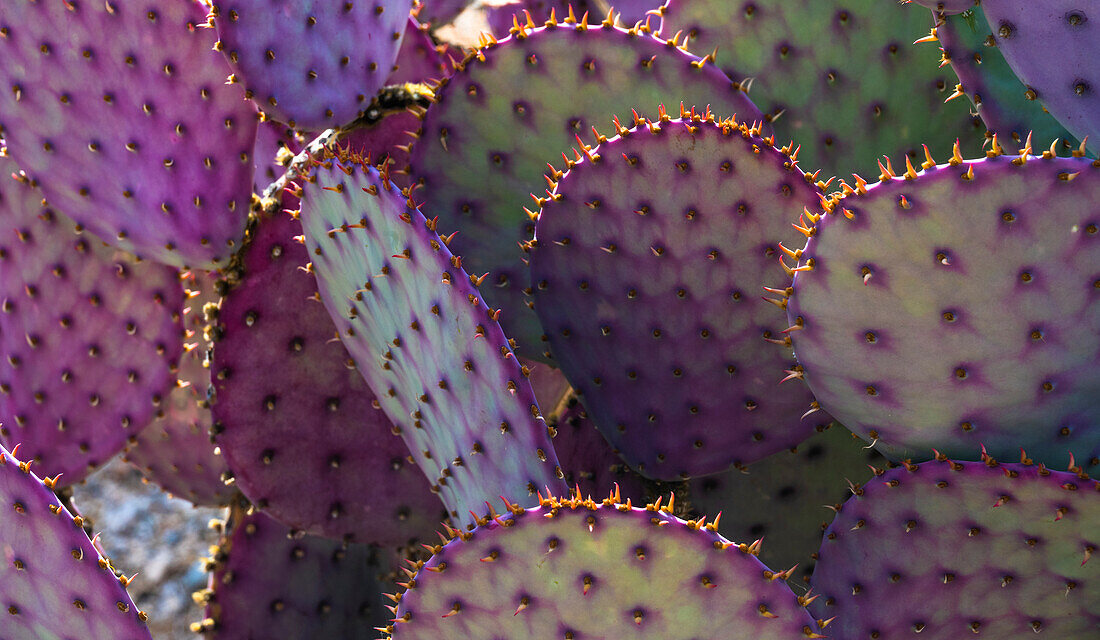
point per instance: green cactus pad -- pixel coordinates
(582, 570)
(953, 550)
(519, 104)
(959, 306)
(839, 77)
(415, 324)
(54, 583)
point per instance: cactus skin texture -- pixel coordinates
(110, 108)
(54, 583)
(947, 7)
(89, 337)
(576, 568)
(959, 307)
(950, 549)
(478, 174)
(648, 291)
(427, 345)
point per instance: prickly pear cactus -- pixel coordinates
(434, 354)
(89, 337)
(649, 291)
(120, 112)
(54, 583)
(575, 568)
(951, 549)
(958, 306)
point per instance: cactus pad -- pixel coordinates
(307, 445)
(804, 62)
(415, 324)
(959, 306)
(517, 105)
(89, 337)
(121, 114)
(650, 293)
(53, 581)
(952, 549)
(574, 568)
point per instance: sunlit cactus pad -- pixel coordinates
(431, 350)
(518, 104)
(88, 335)
(585, 570)
(959, 306)
(119, 110)
(647, 269)
(311, 65)
(54, 584)
(951, 550)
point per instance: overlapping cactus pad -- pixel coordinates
(1065, 77)
(268, 583)
(590, 464)
(517, 105)
(89, 337)
(53, 581)
(575, 568)
(649, 292)
(307, 445)
(959, 306)
(948, 7)
(950, 550)
(839, 76)
(986, 79)
(119, 110)
(312, 65)
(414, 322)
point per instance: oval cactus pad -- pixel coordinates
(309, 63)
(54, 584)
(578, 569)
(119, 110)
(89, 337)
(309, 445)
(959, 306)
(951, 550)
(427, 345)
(650, 292)
(518, 104)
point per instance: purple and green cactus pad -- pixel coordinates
(993, 89)
(575, 568)
(89, 337)
(647, 267)
(175, 451)
(947, 7)
(121, 114)
(429, 347)
(959, 306)
(515, 106)
(54, 583)
(309, 445)
(1053, 47)
(841, 77)
(951, 550)
(311, 65)
(267, 582)
(785, 499)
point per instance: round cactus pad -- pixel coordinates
(308, 446)
(840, 77)
(519, 104)
(953, 550)
(574, 568)
(309, 63)
(957, 307)
(119, 110)
(54, 584)
(89, 337)
(650, 292)
(415, 324)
